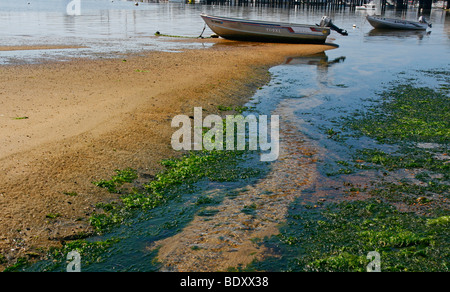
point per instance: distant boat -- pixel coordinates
(368, 6)
(393, 23)
(264, 31)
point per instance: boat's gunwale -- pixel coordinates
(293, 35)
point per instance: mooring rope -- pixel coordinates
(201, 35)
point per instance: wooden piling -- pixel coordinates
(425, 5)
(306, 4)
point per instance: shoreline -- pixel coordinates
(67, 124)
(37, 47)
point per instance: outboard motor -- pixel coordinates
(326, 22)
(423, 20)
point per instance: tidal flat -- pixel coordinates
(86, 164)
(92, 117)
(401, 210)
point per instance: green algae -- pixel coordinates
(56, 258)
(180, 176)
(338, 237)
(411, 126)
(123, 176)
(407, 113)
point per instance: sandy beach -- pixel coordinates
(66, 124)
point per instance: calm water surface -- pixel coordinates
(320, 88)
(112, 27)
(327, 87)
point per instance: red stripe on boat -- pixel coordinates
(290, 29)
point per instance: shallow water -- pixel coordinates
(310, 93)
(108, 28)
(104, 27)
(326, 87)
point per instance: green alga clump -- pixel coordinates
(407, 113)
(338, 237)
(123, 176)
(416, 120)
(180, 176)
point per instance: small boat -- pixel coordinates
(368, 6)
(393, 23)
(264, 31)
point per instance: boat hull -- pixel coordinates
(365, 7)
(262, 31)
(391, 23)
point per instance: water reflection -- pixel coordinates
(320, 60)
(420, 34)
(321, 63)
(447, 23)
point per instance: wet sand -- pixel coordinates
(66, 124)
